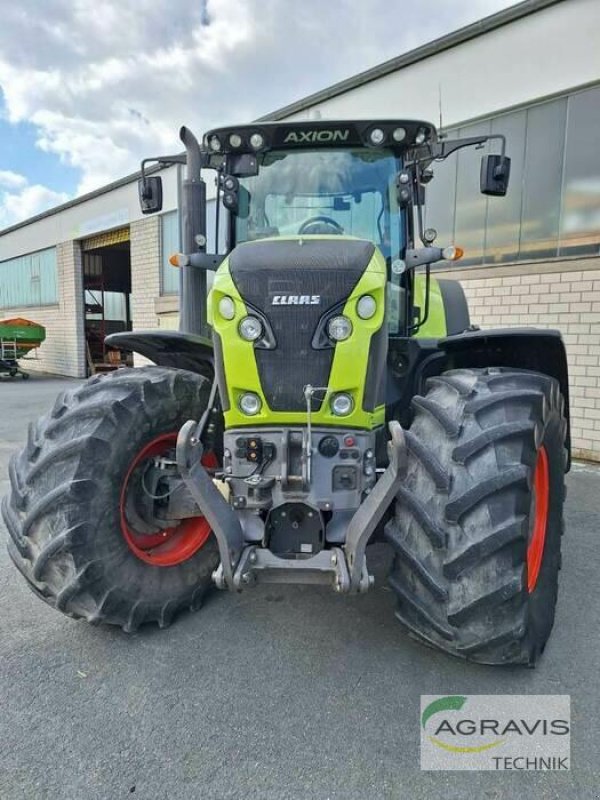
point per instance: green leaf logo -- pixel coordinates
(449, 703)
(452, 703)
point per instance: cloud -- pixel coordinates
(106, 83)
(20, 200)
(12, 180)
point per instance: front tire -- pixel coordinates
(64, 513)
(479, 516)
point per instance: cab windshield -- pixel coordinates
(324, 192)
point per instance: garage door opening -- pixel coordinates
(107, 294)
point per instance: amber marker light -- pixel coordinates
(179, 260)
(452, 253)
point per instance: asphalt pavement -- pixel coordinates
(275, 693)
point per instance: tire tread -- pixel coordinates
(55, 483)
(461, 520)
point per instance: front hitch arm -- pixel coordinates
(369, 514)
(222, 518)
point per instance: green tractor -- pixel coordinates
(331, 392)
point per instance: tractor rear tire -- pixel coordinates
(64, 513)
(478, 519)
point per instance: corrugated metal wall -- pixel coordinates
(29, 280)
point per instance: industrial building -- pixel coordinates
(532, 72)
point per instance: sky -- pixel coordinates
(89, 87)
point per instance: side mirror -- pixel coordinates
(150, 192)
(495, 172)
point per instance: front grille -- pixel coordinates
(263, 270)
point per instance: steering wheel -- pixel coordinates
(320, 224)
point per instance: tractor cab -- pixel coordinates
(362, 179)
(337, 179)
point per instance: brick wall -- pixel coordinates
(145, 275)
(564, 295)
(145, 271)
(63, 352)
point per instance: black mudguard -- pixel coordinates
(522, 348)
(412, 361)
(168, 349)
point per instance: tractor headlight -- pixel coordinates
(235, 140)
(214, 144)
(230, 184)
(399, 134)
(226, 307)
(250, 404)
(421, 136)
(342, 404)
(339, 328)
(250, 329)
(366, 306)
(257, 140)
(377, 136)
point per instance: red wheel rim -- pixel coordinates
(172, 545)
(541, 499)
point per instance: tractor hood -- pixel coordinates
(292, 288)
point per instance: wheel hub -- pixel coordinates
(170, 545)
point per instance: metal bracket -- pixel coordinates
(223, 519)
(370, 512)
(259, 565)
(205, 261)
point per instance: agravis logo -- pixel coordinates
(453, 703)
(530, 732)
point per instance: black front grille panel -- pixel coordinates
(326, 269)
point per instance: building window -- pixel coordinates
(169, 244)
(552, 207)
(29, 280)
(542, 179)
(580, 210)
(471, 207)
(503, 214)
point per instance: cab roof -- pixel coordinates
(395, 134)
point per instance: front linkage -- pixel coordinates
(243, 565)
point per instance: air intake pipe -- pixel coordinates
(192, 281)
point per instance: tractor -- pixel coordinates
(324, 391)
